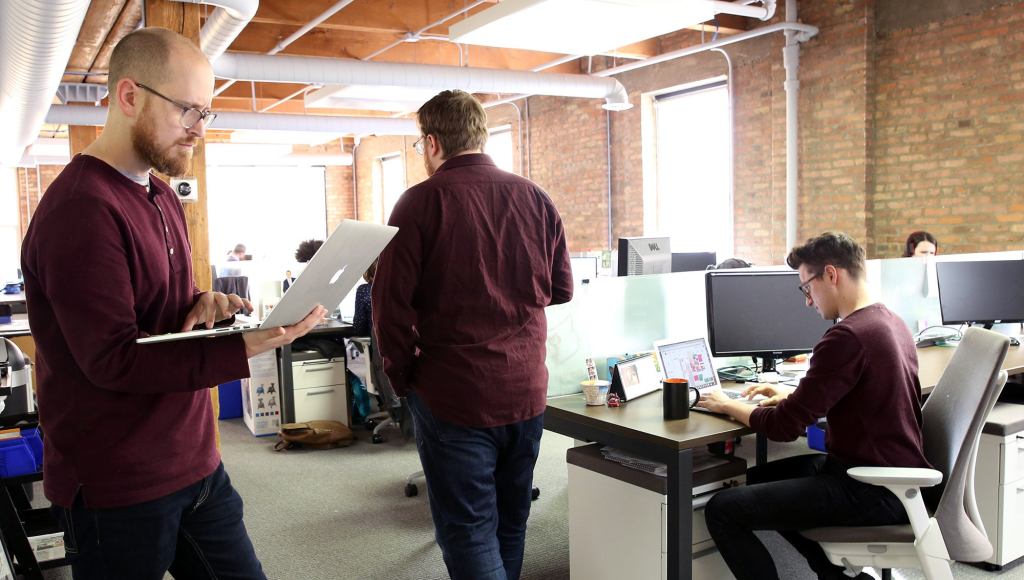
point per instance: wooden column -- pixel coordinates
(81, 137)
(184, 19)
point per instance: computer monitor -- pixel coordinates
(760, 314)
(981, 292)
(692, 261)
(638, 256)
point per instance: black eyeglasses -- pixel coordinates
(189, 115)
(418, 145)
(806, 286)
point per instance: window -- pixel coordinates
(693, 169)
(499, 147)
(269, 209)
(10, 224)
(392, 181)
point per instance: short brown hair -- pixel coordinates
(144, 55)
(835, 248)
(456, 119)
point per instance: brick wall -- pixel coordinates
(950, 133)
(32, 183)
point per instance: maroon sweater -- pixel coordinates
(863, 379)
(106, 262)
(459, 294)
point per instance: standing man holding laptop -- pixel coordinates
(130, 465)
(459, 300)
(863, 379)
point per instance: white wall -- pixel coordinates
(10, 239)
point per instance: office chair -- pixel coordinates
(953, 417)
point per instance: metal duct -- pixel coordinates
(224, 25)
(309, 70)
(96, 116)
(36, 40)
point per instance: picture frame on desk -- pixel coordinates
(635, 377)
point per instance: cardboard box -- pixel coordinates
(261, 395)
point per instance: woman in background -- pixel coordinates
(361, 318)
(921, 244)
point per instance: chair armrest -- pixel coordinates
(898, 476)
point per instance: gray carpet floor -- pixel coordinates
(342, 514)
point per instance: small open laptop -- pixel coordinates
(691, 360)
(327, 279)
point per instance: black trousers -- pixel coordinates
(798, 493)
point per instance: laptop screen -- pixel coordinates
(690, 360)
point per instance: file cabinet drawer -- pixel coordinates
(1013, 459)
(309, 374)
(321, 403)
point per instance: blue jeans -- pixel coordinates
(196, 533)
(479, 481)
(789, 495)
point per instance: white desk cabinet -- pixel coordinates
(319, 390)
(999, 482)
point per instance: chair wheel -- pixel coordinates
(534, 494)
(377, 438)
(370, 424)
(411, 490)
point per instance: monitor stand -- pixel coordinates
(767, 364)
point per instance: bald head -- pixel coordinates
(152, 55)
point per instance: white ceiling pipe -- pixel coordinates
(96, 116)
(308, 70)
(764, 12)
(36, 40)
(224, 25)
(803, 32)
(334, 9)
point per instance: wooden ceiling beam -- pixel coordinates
(99, 20)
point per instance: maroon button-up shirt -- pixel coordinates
(105, 262)
(863, 379)
(459, 294)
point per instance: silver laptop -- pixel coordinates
(691, 360)
(327, 279)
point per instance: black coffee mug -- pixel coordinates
(677, 398)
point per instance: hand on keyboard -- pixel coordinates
(773, 393)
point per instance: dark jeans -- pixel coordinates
(798, 493)
(479, 482)
(196, 533)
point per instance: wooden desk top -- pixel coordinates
(932, 361)
(641, 419)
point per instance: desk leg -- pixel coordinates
(680, 516)
(284, 369)
(761, 452)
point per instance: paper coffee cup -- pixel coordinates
(595, 391)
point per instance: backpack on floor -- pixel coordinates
(314, 435)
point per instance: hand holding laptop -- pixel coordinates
(213, 307)
(260, 341)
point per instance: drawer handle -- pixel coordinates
(327, 392)
(327, 368)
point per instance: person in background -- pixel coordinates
(362, 319)
(863, 372)
(306, 250)
(288, 281)
(459, 318)
(238, 254)
(130, 461)
(920, 244)
(731, 263)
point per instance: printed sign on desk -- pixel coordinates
(261, 400)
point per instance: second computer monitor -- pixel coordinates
(761, 314)
(692, 261)
(638, 256)
(981, 292)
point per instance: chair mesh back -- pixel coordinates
(954, 415)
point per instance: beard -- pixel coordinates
(171, 160)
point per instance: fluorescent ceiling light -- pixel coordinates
(376, 98)
(282, 137)
(582, 27)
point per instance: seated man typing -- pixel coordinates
(863, 379)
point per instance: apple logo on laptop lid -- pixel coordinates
(334, 278)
